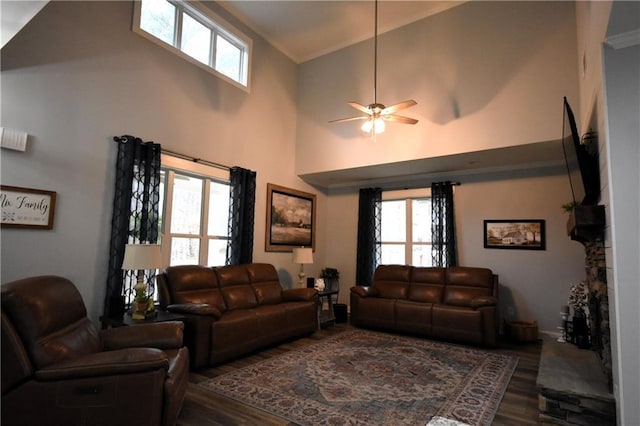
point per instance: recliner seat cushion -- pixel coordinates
(457, 323)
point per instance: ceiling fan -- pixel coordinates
(376, 112)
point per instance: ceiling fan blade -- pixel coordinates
(400, 119)
(360, 107)
(397, 107)
(342, 120)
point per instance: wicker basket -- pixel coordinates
(522, 331)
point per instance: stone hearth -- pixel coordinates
(572, 388)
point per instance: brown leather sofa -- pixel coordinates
(456, 303)
(58, 370)
(233, 310)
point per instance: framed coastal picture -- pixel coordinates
(514, 234)
(291, 216)
(26, 207)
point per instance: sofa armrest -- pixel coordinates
(482, 301)
(298, 294)
(364, 291)
(159, 335)
(203, 309)
(109, 363)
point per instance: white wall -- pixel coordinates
(534, 283)
(484, 74)
(76, 76)
(622, 77)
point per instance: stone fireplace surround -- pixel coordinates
(574, 385)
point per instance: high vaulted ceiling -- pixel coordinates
(306, 29)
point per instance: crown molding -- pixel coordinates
(627, 39)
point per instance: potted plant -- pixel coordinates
(570, 206)
(141, 300)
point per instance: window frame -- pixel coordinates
(172, 165)
(407, 196)
(216, 25)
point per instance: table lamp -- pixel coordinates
(141, 257)
(303, 256)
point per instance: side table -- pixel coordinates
(326, 318)
(126, 320)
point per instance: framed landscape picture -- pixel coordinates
(514, 234)
(291, 216)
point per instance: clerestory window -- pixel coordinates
(195, 33)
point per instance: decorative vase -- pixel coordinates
(141, 307)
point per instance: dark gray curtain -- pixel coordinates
(369, 234)
(241, 216)
(443, 233)
(135, 213)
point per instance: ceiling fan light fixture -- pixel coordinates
(373, 125)
(376, 112)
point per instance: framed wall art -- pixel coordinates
(291, 216)
(26, 207)
(514, 234)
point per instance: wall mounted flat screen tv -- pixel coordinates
(581, 160)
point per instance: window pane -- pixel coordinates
(394, 221)
(196, 39)
(421, 255)
(163, 183)
(218, 209)
(185, 251)
(157, 17)
(187, 205)
(227, 58)
(392, 254)
(421, 212)
(217, 253)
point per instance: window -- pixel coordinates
(195, 213)
(195, 33)
(406, 228)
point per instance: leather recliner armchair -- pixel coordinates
(57, 369)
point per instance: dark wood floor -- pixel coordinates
(519, 405)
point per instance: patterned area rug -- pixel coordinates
(362, 377)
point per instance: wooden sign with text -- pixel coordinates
(27, 208)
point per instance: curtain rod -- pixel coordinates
(196, 160)
(123, 139)
(392, 188)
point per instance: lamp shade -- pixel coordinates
(303, 255)
(142, 256)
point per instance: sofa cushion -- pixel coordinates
(457, 323)
(265, 282)
(427, 285)
(413, 317)
(235, 286)
(392, 281)
(464, 284)
(194, 284)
